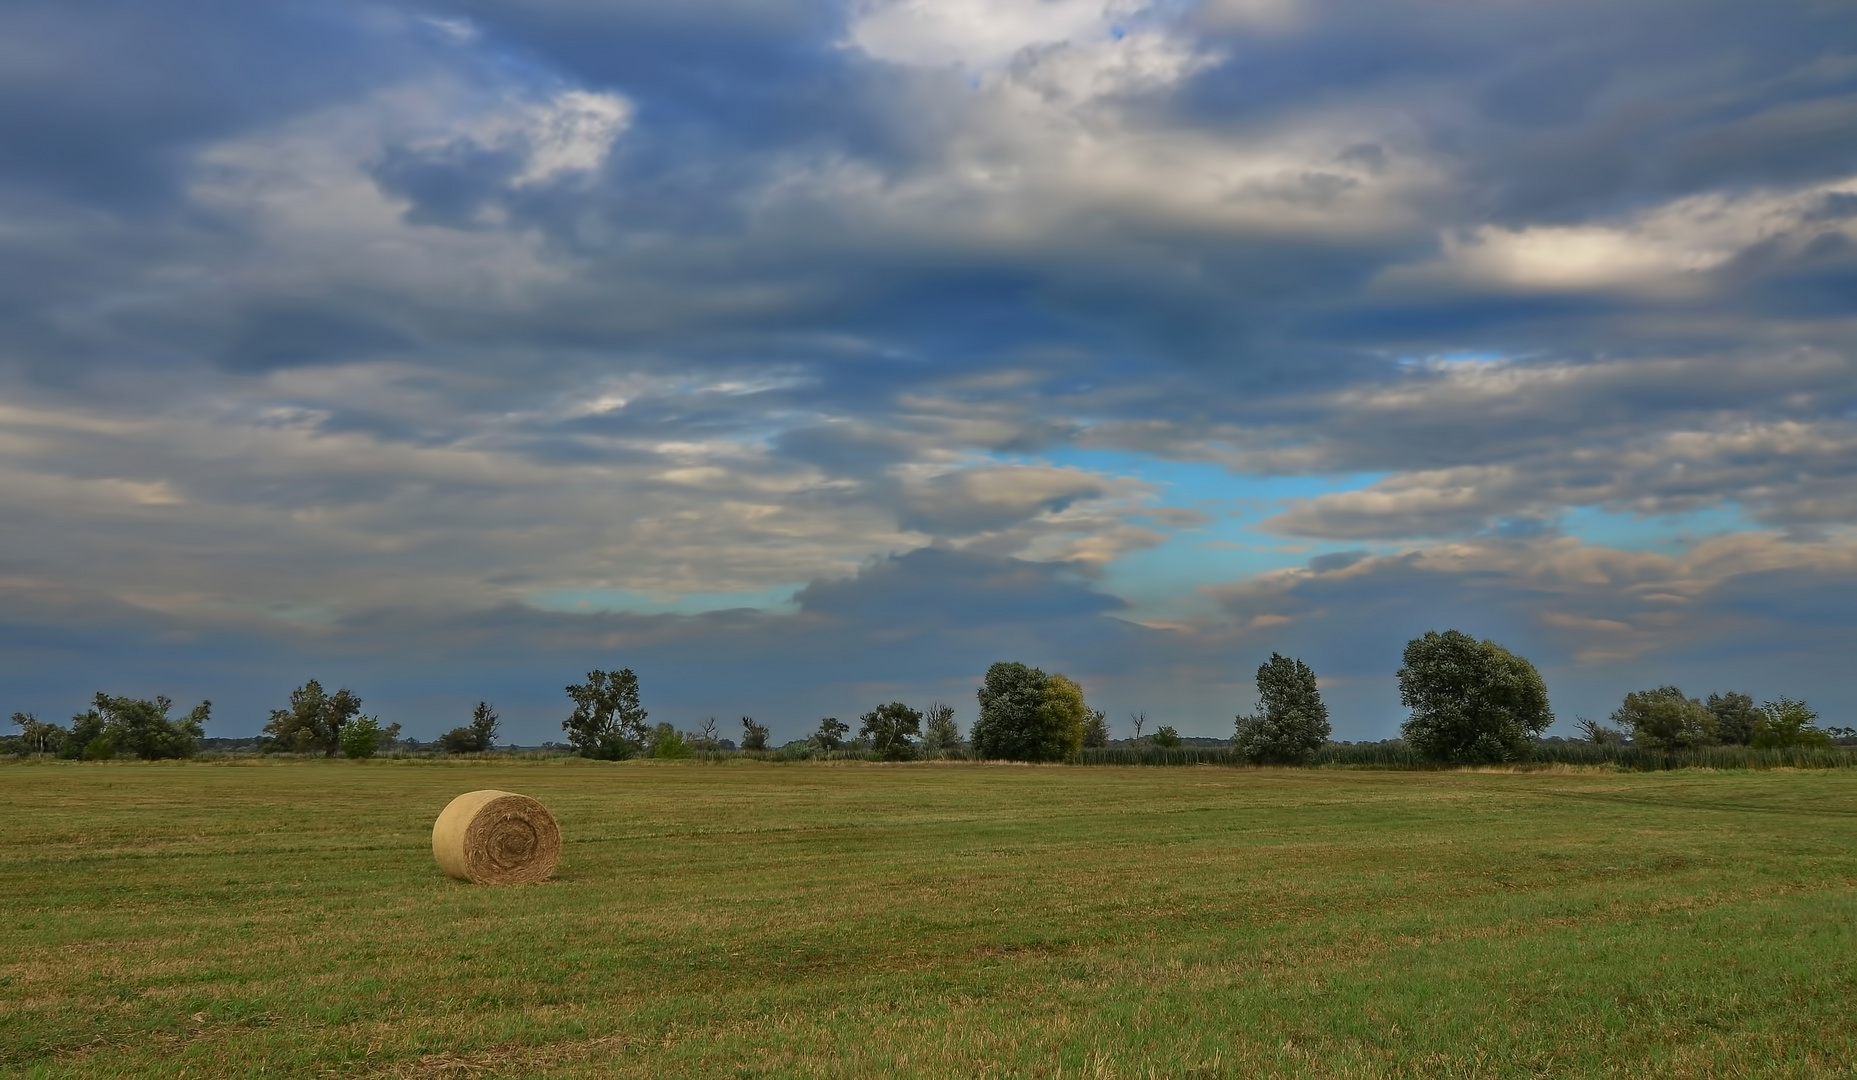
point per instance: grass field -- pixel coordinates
(286, 919)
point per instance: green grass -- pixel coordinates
(748, 919)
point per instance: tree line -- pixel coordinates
(1471, 702)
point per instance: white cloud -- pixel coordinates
(979, 34)
(572, 133)
(1254, 15)
(1666, 251)
(1073, 146)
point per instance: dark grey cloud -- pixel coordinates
(921, 625)
(102, 100)
(1748, 612)
(316, 312)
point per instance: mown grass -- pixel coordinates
(750, 919)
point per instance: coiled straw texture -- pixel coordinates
(496, 838)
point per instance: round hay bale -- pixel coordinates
(496, 838)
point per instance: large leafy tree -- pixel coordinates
(1291, 721)
(892, 730)
(607, 721)
(1663, 719)
(1026, 715)
(1735, 717)
(1472, 701)
(314, 721)
(88, 739)
(143, 727)
(1788, 723)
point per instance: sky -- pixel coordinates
(804, 356)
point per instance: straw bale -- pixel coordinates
(496, 838)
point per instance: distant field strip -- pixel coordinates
(1399, 756)
(743, 919)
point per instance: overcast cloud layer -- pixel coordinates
(805, 355)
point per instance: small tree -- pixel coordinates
(831, 733)
(1291, 721)
(1663, 719)
(39, 736)
(607, 722)
(1472, 701)
(754, 736)
(668, 742)
(1064, 714)
(1598, 734)
(314, 721)
(706, 737)
(891, 730)
(1735, 717)
(485, 725)
(1139, 720)
(479, 737)
(362, 737)
(1788, 723)
(1096, 730)
(1166, 737)
(143, 727)
(940, 733)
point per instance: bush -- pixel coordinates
(1166, 738)
(101, 748)
(1096, 730)
(1472, 701)
(754, 736)
(1292, 720)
